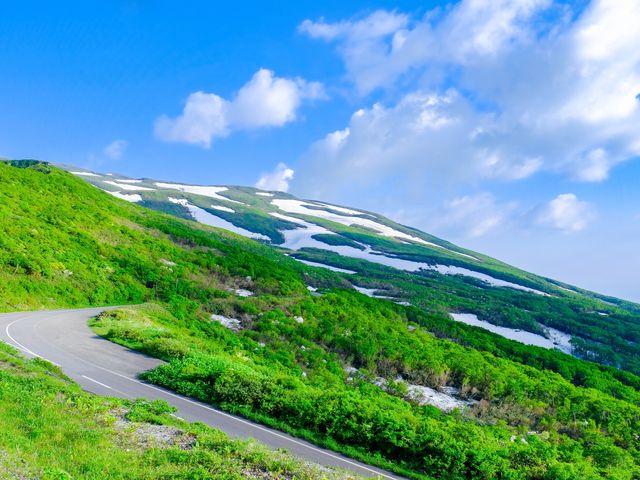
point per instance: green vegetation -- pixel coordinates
(337, 240)
(68, 244)
(604, 329)
(52, 430)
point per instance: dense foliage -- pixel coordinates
(605, 330)
(68, 244)
(51, 430)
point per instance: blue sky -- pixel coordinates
(511, 126)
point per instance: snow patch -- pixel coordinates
(211, 192)
(301, 208)
(230, 323)
(322, 265)
(84, 174)
(223, 209)
(264, 194)
(371, 292)
(128, 180)
(202, 216)
(344, 210)
(445, 400)
(125, 186)
(133, 198)
(557, 339)
(241, 292)
(494, 282)
(302, 237)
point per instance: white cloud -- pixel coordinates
(566, 213)
(426, 137)
(277, 180)
(473, 215)
(497, 89)
(384, 46)
(264, 101)
(204, 117)
(115, 150)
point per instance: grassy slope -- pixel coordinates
(612, 340)
(51, 430)
(70, 245)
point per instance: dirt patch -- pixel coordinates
(146, 435)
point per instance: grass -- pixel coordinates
(51, 430)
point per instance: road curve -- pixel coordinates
(104, 368)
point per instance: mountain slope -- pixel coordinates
(390, 260)
(50, 429)
(240, 328)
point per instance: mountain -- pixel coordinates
(245, 325)
(383, 259)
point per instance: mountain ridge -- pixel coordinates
(337, 236)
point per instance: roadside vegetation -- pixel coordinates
(336, 366)
(52, 430)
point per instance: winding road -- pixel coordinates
(104, 368)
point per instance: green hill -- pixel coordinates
(410, 266)
(404, 387)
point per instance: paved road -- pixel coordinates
(104, 368)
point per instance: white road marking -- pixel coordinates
(201, 405)
(240, 420)
(95, 381)
(18, 344)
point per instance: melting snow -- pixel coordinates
(371, 292)
(128, 180)
(495, 282)
(445, 400)
(207, 218)
(85, 174)
(212, 192)
(241, 292)
(557, 339)
(301, 208)
(347, 211)
(231, 323)
(223, 209)
(125, 186)
(264, 194)
(322, 265)
(134, 197)
(299, 238)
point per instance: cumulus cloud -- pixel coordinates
(500, 89)
(115, 150)
(566, 213)
(473, 215)
(481, 214)
(277, 180)
(264, 101)
(471, 31)
(435, 137)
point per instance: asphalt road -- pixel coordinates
(104, 368)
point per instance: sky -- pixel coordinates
(508, 127)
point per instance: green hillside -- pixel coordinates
(602, 329)
(333, 365)
(51, 430)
